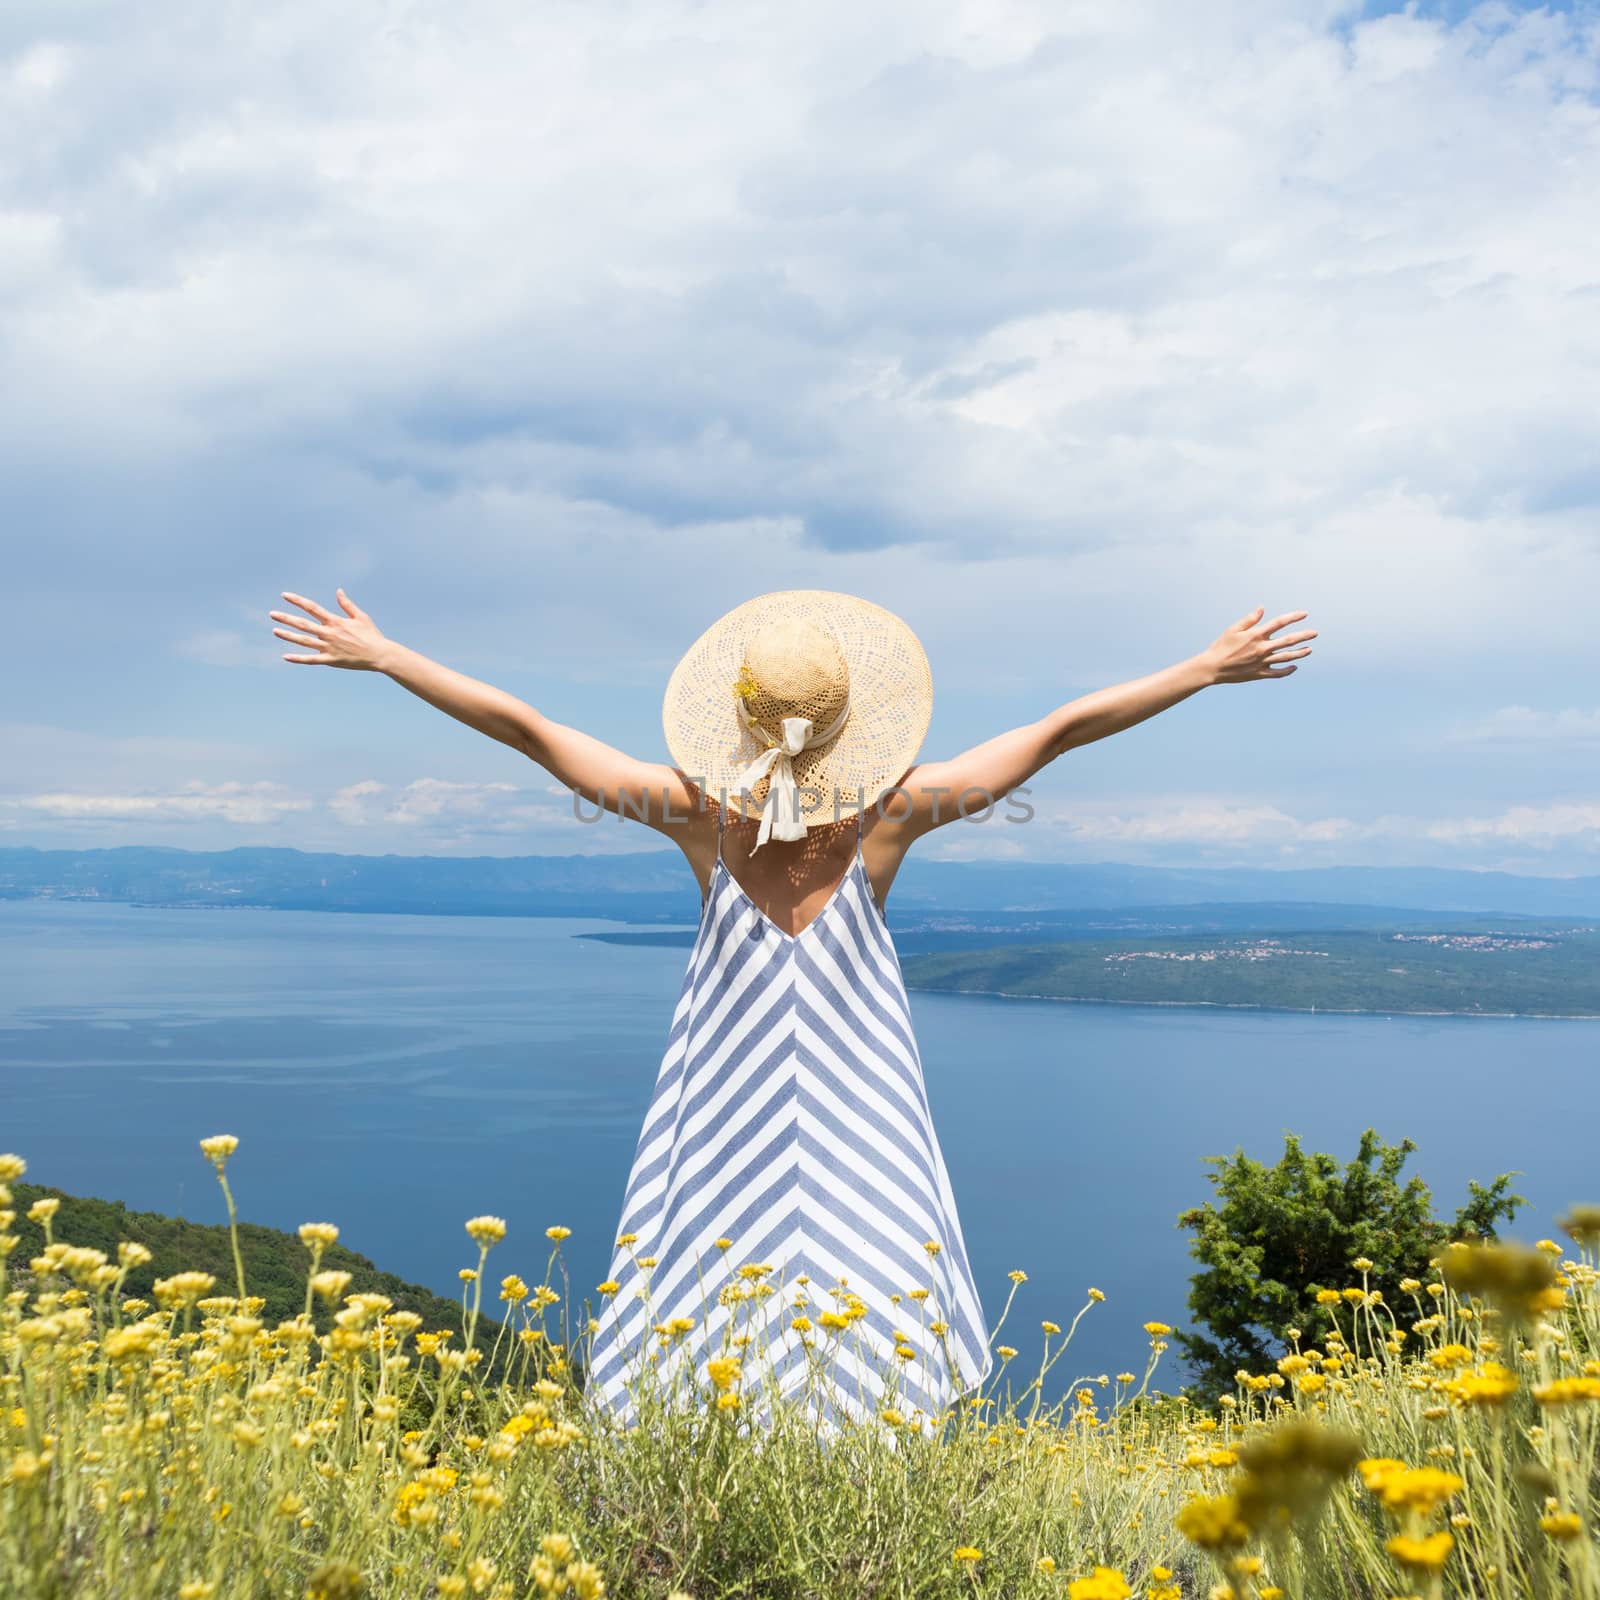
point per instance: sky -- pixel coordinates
(1070, 332)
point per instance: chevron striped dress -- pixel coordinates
(788, 1204)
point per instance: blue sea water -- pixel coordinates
(399, 1074)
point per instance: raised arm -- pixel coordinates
(989, 771)
(649, 791)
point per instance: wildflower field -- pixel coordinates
(177, 1447)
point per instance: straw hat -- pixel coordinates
(801, 707)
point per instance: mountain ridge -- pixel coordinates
(657, 885)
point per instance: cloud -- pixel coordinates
(466, 808)
(427, 815)
(1537, 827)
(905, 284)
(1527, 724)
(1069, 331)
(1204, 822)
(251, 804)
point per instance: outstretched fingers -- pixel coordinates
(309, 605)
(1268, 629)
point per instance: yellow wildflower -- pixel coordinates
(1491, 1386)
(1564, 1391)
(218, 1148)
(1416, 1488)
(1213, 1523)
(723, 1371)
(1105, 1583)
(1421, 1555)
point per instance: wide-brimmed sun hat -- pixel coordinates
(801, 707)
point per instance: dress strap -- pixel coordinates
(722, 811)
(860, 812)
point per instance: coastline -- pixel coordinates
(631, 931)
(1252, 1005)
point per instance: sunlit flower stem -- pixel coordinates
(1049, 1359)
(477, 1295)
(233, 1234)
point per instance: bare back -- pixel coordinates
(791, 881)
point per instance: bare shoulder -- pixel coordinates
(689, 820)
(917, 803)
(888, 830)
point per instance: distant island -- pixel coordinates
(1548, 971)
(1426, 941)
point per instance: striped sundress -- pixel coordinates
(788, 1169)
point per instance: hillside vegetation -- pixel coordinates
(274, 1262)
(179, 1445)
(1517, 971)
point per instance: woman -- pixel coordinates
(788, 1194)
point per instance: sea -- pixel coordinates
(397, 1075)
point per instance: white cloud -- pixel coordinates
(425, 814)
(1202, 822)
(553, 332)
(355, 803)
(1206, 821)
(1536, 827)
(252, 804)
(464, 808)
(905, 282)
(1527, 724)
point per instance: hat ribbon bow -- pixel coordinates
(780, 812)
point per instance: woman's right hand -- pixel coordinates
(351, 641)
(1246, 653)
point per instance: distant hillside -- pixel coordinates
(1522, 971)
(920, 932)
(656, 885)
(275, 1263)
